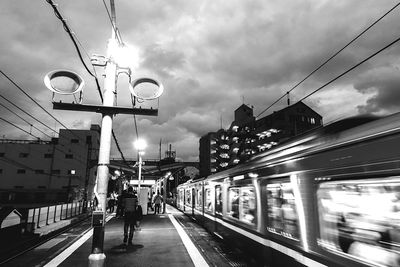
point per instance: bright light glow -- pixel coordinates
(117, 172)
(253, 175)
(140, 144)
(142, 182)
(239, 177)
(72, 171)
(125, 56)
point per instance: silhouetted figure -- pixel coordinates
(130, 203)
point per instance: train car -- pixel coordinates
(330, 197)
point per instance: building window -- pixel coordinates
(41, 187)
(2, 154)
(18, 187)
(21, 171)
(1, 171)
(23, 155)
(69, 156)
(71, 172)
(312, 120)
(55, 171)
(39, 171)
(74, 141)
(48, 156)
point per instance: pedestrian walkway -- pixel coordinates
(160, 242)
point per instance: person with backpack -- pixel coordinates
(130, 203)
(157, 200)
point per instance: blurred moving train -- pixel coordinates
(330, 197)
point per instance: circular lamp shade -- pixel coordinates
(146, 88)
(64, 82)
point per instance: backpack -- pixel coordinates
(139, 213)
(130, 204)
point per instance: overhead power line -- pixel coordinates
(28, 114)
(350, 69)
(45, 110)
(73, 36)
(330, 58)
(25, 120)
(16, 126)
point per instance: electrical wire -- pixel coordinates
(19, 127)
(25, 120)
(350, 69)
(119, 38)
(330, 58)
(16, 85)
(28, 114)
(73, 36)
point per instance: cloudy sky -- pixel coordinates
(211, 56)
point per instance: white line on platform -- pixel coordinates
(66, 253)
(194, 253)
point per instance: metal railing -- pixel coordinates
(44, 216)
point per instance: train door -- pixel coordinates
(218, 205)
(193, 199)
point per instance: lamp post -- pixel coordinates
(112, 68)
(140, 146)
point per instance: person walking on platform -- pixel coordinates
(130, 203)
(157, 200)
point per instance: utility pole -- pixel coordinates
(107, 109)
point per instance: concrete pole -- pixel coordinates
(97, 257)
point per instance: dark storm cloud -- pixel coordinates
(163, 61)
(384, 83)
(211, 57)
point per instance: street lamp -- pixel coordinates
(140, 146)
(66, 82)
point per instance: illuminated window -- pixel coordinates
(188, 200)
(199, 202)
(242, 204)
(208, 200)
(282, 210)
(218, 200)
(361, 219)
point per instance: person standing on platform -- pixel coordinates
(130, 203)
(157, 200)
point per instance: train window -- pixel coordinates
(282, 211)
(218, 199)
(188, 195)
(199, 202)
(181, 197)
(242, 204)
(208, 205)
(361, 219)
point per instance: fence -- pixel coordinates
(43, 216)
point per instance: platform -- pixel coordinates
(160, 242)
